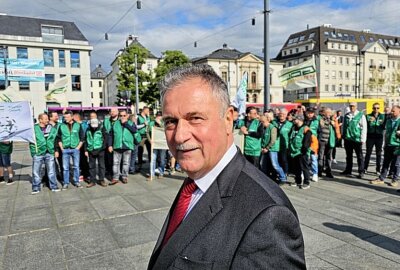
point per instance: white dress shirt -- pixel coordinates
(206, 181)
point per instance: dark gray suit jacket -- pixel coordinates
(243, 221)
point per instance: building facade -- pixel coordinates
(357, 64)
(64, 50)
(98, 86)
(231, 64)
(111, 79)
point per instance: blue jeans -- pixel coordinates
(275, 164)
(67, 154)
(314, 164)
(38, 161)
(5, 160)
(132, 165)
(121, 156)
(161, 153)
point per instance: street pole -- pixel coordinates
(5, 56)
(266, 55)
(136, 86)
(355, 84)
(229, 78)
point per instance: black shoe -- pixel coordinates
(329, 175)
(2, 180)
(10, 181)
(360, 176)
(345, 172)
(319, 174)
(305, 186)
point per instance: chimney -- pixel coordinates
(99, 65)
(129, 41)
(225, 46)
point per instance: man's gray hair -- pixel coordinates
(205, 73)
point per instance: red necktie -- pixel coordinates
(181, 207)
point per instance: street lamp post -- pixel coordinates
(5, 56)
(266, 55)
(136, 86)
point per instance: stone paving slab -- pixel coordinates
(75, 212)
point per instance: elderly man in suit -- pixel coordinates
(227, 214)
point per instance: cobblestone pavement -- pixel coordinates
(347, 223)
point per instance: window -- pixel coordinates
(340, 74)
(347, 61)
(333, 45)
(333, 60)
(340, 87)
(297, 50)
(326, 59)
(253, 80)
(75, 104)
(290, 51)
(91, 83)
(302, 38)
(326, 88)
(362, 39)
(149, 67)
(48, 57)
(23, 85)
(371, 39)
(312, 35)
(61, 58)
(62, 75)
(353, 61)
(346, 88)
(306, 48)
(339, 46)
(254, 98)
(52, 34)
(347, 75)
(100, 84)
(101, 104)
(353, 88)
(22, 53)
(326, 74)
(340, 60)
(247, 98)
(101, 95)
(295, 40)
(333, 88)
(99, 74)
(52, 104)
(91, 94)
(48, 78)
(284, 52)
(75, 62)
(76, 82)
(346, 47)
(333, 74)
(2, 51)
(345, 36)
(224, 76)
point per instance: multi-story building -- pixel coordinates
(111, 79)
(232, 64)
(64, 50)
(98, 86)
(349, 63)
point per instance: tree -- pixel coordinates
(126, 77)
(171, 59)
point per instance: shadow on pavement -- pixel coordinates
(381, 188)
(378, 240)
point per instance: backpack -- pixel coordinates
(314, 141)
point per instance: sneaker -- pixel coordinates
(90, 185)
(305, 186)
(125, 180)
(2, 180)
(10, 181)
(360, 176)
(329, 175)
(314, 178)
(160, 176)
(292, 184)
(34, 192)
(64, 187)
(171, 172)
(393, 183)
(56, 190)
(345, 173)
(377, 182)
(79, 185)
(334, 161)
(103, 183)
(113, 182)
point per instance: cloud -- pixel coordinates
(176, 24)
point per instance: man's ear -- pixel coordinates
(229, 120)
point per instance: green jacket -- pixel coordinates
(95, 140)
(391, 138)
(252, 146)
(108, 124)
(122, 136)
(70, 139)
(296, 142)
(142, 129)
(376, 125)
(267, 138)
(314, 125)
(352, 131)
(6, 148)
(44, 144)
(284, 131)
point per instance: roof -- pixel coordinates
(224, 53)
(322, 34)
(136, 42)
(133, 41)
(31, 27)
(98, 73)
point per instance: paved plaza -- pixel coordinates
(347, 223)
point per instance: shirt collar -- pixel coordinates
(205, 182)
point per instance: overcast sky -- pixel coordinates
(176, 24)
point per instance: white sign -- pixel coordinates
(16, 122)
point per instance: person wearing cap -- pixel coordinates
(312, 121)
(253, 131)
(299, 151)
(95, 144)
(355, 135)
(284, 126)
(376, 126)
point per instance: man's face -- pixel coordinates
(93, 116)
(328, 113)
(67, 117)
(375, 108)
(146, 111)
(196, 133)
(114, 112)
(310, 115)
(353, 108)
(282, 116)
(252, 114)
(44, 120)
(54, 117)
(395, 112)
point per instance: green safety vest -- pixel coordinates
(6, 148)
(267, 138)
(43, 145)
(332, 137)
(141, 120)
(94, 140)
(122, 136)
(376, 125)
(314, 124)
(108, 124)
(70, 139)
(296, 142)
(353, 131)
(252, 146)
(391, 130)
(284, 134)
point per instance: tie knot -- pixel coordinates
(189, 186)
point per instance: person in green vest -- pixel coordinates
(95, 144)
(70, 139)
(299, 151)
(392, 148)
(253, 131)
(143, 120)
(54, 122)
(121, 144)
(6, 148)
(83, 160)
(326, 142)
(376, 126)
(355, 136)
(108, 124)
(270, 149)
(312, 121)
(284, 127)
(43, 153)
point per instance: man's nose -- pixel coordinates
(182, 133)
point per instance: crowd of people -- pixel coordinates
(72, 150)
(303, 142)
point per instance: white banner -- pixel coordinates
(303, 75)
(16, 122)
(158, 138)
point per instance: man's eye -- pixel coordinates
(196, 119)
(170, 122)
